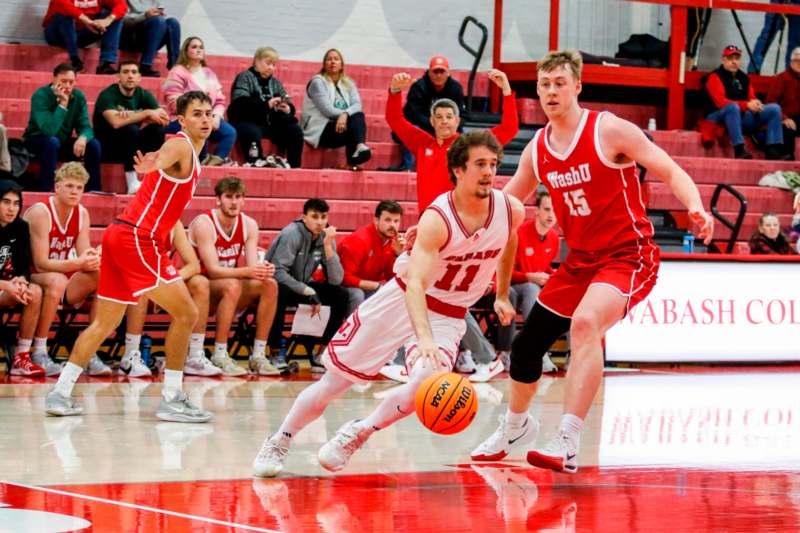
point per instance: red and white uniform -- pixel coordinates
(229, 247)
(598, 205)
(464, 268)
(61, 238)
(135, 257)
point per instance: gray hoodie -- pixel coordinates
(296, 255)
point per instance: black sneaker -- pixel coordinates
(148, 71)
(106, 68)
(361, 155)
(77, 64)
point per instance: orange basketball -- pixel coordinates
(446, 403)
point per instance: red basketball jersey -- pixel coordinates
(161, 200)
(229, 247)
(598, 203)
(62, 238)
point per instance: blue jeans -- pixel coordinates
(61, 31)
(49, 150)
(150, 35)
(738, 122)
(409, 161)
(225, 137)
(773, 23)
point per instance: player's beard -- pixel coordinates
(483, 193)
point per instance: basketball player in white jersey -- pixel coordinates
(462, 239)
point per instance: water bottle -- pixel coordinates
(651, 125)
(688, 243)
(145, 348)
(252, 153)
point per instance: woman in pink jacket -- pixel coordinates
(191, 74)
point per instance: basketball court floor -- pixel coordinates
(663, 450)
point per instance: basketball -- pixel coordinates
(446, 403)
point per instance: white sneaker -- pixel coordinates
(335, 454)
(228, 365)
(272, 456)
(559, 454)
(197, 364)
(395, 373)
(505, 438)
(465, 363)
(262, 367)
(132, 364)
(487, 371)
(97, 367)
(51, 368)
(548, 366)
(505, 357)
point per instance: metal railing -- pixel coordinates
(476, 54)
(736, 226)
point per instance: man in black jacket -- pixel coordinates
(434, 85)
(15, 274)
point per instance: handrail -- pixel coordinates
(477, 54)
(733, 226)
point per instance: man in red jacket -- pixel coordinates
(368, 254)
(73, 24)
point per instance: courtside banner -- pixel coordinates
(714, 311)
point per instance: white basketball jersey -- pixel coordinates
(466, 263)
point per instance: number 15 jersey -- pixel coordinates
(598, 203)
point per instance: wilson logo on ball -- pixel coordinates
(446, 403)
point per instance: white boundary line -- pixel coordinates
(140, 507)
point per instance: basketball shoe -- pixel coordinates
(51, 368)
(505, 438)
(23, 366)
(465, 363)
(132, 364)
(262, 367)
(272, 455)
(335, 454)
(487, 371)
(548, 366)
(228, 365)
(558, 454)
(180, 409)
(197, 364)
(97, 367)
(57, 405)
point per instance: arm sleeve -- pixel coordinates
(350, 258)
(283, 258)
(49, 122)
(717, 93)
(509, 124)
(413, 137)
(355, 100)
(83, 126)
(333, 267)
(318, 94)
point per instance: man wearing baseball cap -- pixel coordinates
(733, 103)
(434, 85)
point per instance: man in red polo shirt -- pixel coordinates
(368, 254)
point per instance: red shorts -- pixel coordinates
(631, 270)
(132, 264)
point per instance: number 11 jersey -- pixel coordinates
(598, 203)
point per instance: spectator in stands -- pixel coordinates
(332, 114)
(733, 103)
(368, 253)
(785, 91)
(131, 362)
(5, 155)
(127, 118)
(65, 265)
(225, 238)
(146, 28)
(773, 23)
(192, 74)
(16, 288)
(768, 239)
(73, 24)
(434, 85)
(58, 109)
(301, 248)
(261, 109)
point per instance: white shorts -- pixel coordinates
(370, 337)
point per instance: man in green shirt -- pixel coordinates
(57, 110)
(127, 118)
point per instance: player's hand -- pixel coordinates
(505, 311)
(499, 78)
(20, 290)
(539, 278)
(401, 81)
(270, 269)
(426, 354)
(79, 148)
(330, 234)
(89, 260)
(257, 272)
(144, 163)
(410, 236)
(702, 219)
(341, 123)
(398, 244)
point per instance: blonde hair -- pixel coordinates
(342, 77)
(72, 170)
(265, 51)
(557, 58)
(183, 57)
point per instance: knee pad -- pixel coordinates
(541, 330)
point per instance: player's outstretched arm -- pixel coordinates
(431, 236)
(620, 138)
(168, 158)
(524, 182)
(502, 306)
(191, 263)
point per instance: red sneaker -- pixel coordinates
(23, 366)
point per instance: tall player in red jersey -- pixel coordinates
(135, 262)
(587, 161)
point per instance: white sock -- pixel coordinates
(66, 381)
(220, 349)
(131, 177)
(23, 345)
(312, 401)
(40, 344)
(173, 383)
(516, 419)
(259, 347)
(196, 342)
(571, 426)
(131, 343)
(399, 402)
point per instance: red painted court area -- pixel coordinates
(495, 497)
